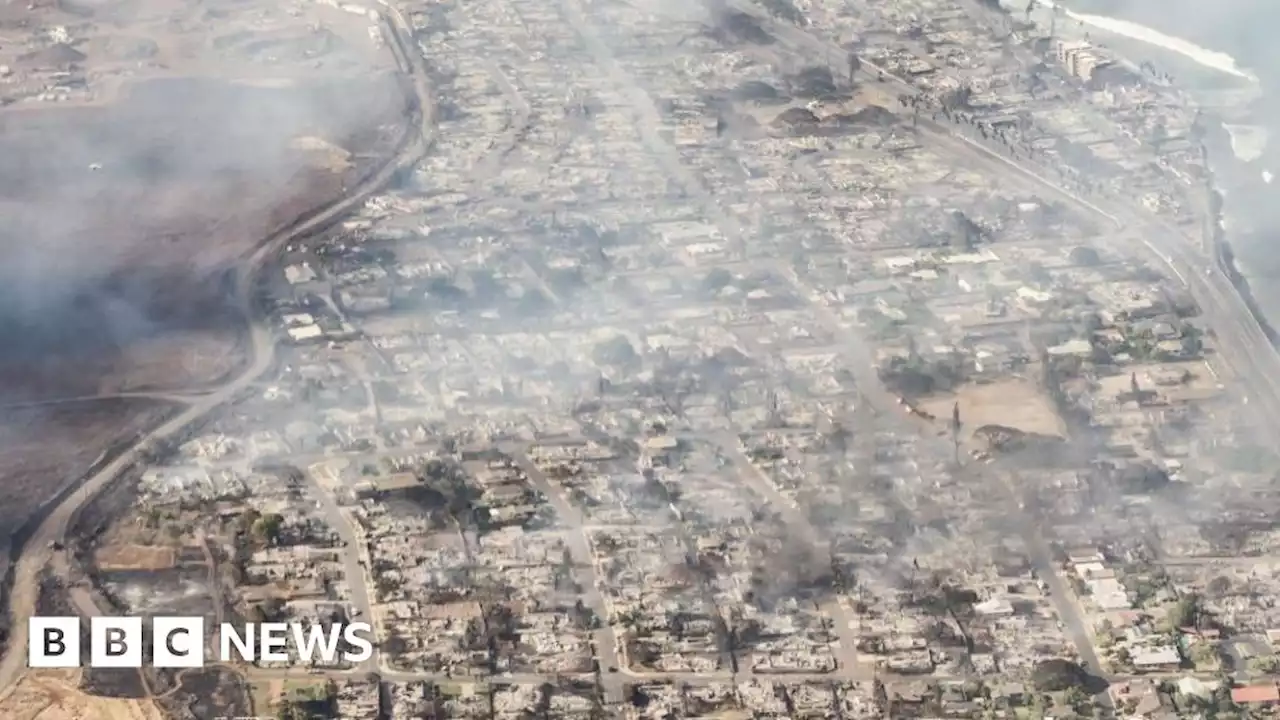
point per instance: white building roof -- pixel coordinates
(305, 332)
(1160, 655)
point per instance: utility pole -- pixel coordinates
(955, 433)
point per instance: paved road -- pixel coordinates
(608, 649)
(1164, 241)
(647, 124)
(355, 565)
(1240, 338)
(1065, 602)
(37, 553)
(400, 676)
(846, 654)
(519, 124)
(692, 679)
(1251, 354)
(1242, 344)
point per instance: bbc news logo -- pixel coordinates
(179, 642)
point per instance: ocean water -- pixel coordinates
(1128, 29)
(1225, 54)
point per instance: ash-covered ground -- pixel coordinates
(123, 220)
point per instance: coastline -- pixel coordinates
(1221, 159)
(1225, 257)
(1229, 96)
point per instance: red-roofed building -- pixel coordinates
(1256, 695)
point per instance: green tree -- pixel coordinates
(1185, 612)
(614, 351)
(1038, 707)
(266, 529)
(246, 519)
(1076, 698)
(1204, 655)
(1267, 665)
(1106, 637)
(1122, 657)
(717, 280)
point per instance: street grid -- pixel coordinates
(749, 471)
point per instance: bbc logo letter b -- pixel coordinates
(115, 642)
(53, 642)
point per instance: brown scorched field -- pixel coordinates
(122, 219)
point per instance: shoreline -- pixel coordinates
(1220, 159)
(1225, 257)
(1208, 75)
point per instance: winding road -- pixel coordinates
(37, 551)
(1251, 354)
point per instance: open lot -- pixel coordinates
(266, 694)
(135, 557)
(1013, 402)
(114, 277)
(43, 449)
(147, 149)
(55, 695)
(209, 692)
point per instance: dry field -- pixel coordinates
(1013, 403)
(266, 694)
(54, 695)
(188, 132)
(43, 449)
(135, 557)
(113, 279)
(148, 146)
(198, 358)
